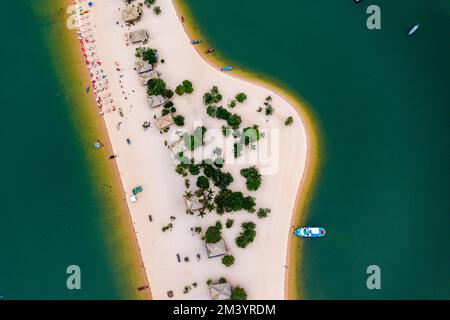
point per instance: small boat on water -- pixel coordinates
(226, 68)
(413, 30)
(210, 50)
(310, 232)
(195, 41)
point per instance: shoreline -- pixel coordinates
(109, 168)
(307, 183)
(158, 248)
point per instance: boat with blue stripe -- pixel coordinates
(226, 68)
(310, 232)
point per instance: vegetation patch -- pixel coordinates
(253, 178)
(147, 54)
(228, 260)
(229, 201)
(247, 235)
(214, 233)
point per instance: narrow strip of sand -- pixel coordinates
(144, 160)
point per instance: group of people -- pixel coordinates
(99, 79)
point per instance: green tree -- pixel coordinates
(289, 121)
(222, 113)
(234, 121)
(188, 88)
(238, 294)
(229, 223)
(213, 96)
(253, 178)
(241, 97)
(213, 233)
(157, 10)
(269, 110)
(247, 235)
(149, 3)
(211, 111)
(228, 260)
(263, 212)
(167, 93)
(155, 87)
(180, 90)
(203, 182)
(179, 120)
(168, 105)
(194, 169)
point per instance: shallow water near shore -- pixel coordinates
(58, 206)
(382, 102)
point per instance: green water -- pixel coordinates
(382, 101)
(52, 213)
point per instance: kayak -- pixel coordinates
(413, 30)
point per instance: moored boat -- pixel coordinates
(195, 41)
(226, 68)
(210, 50)
(310, 232)
(413, 30)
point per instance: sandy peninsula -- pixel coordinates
(176, 261)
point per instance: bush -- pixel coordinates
(289, 121)
(214, 234)
(241, 97)
(229, 223)
(203, 182)
(263, 213)
(232, 104)
(179, 120)
(253, 178)
(238, 294)
(228, 260)
(179, 90)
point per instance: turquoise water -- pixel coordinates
(382, 102)
(52, 212)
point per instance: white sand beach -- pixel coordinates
(260, 268)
